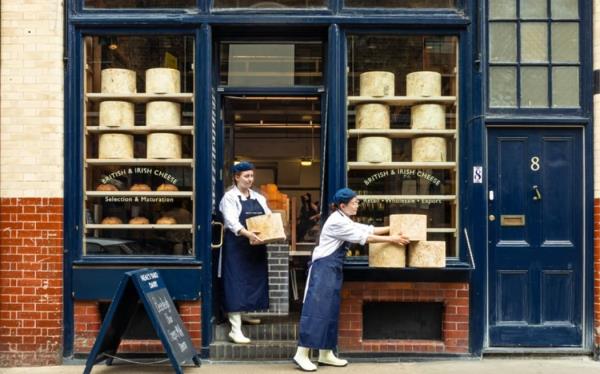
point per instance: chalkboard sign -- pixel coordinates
(145, 285)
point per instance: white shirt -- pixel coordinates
(231, 207)
(339, 228)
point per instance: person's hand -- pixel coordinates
(400, 239)
(254, 238)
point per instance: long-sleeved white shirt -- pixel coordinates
(231, 208)
(339, 228)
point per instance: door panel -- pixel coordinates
(535, 233)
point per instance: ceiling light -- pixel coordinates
(306, 161)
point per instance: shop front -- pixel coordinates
(419, 107)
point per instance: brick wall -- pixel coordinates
(88, 321)
(278, 279)
(455, 324)
(31, 279)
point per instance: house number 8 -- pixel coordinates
(535, 163)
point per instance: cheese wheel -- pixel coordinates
(139, 221)
(424, 83)
(429, 149)
(374, 149)
(163, 113)
(426, 254)
(166, 220)
(377, 83)
(167, 187)
(163, 80)
(115, 146)
(111, 221)
(413, 226)
(117, 81)
(428, 116)
(106, 187)
(164, 145)
(269, 227)
(140, 187)
(116, 114)
(372, 116)
(387, 255)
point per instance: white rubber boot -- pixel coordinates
(250, 320)
(236, 334)
(302, 359)
(326, 357)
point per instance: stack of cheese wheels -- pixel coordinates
(163, 145)
(425, 254)
(115, 146)
(424, 83)
(163, 113)
(429, 149)
(163, 81)
(413, 226)
(377, 84)
(387, 255)
(115, 113)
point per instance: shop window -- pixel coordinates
(403, 133)
(278, 64)
(138, 146)
(400, 3)
(269, 5)
(142, 4)
(533, 54)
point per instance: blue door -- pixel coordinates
(535, 228)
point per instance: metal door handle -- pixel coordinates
(492, 217)
(538, 195)
(215, 246)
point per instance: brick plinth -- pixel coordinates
(31, 281)
(455, 323)
(88, 320)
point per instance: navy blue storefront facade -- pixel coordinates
(516, 196)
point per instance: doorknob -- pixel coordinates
(492, 217)
(538, 195)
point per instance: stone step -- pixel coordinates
(255, 350)
(264, 331)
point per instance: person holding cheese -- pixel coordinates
(243, 259)
(320, 313)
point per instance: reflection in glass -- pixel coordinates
(565, 42)
(565, 9)
(107, 4)
(271, 64)
(503, 86)
(400, 3)
(534, 42)
(565, 86)
(534, 87)
(533, 9)
(269, 4)
(502, 9)
(503, 42)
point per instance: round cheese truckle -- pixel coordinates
(428, 116)
(424, 83)
(377, 84)
(429, 149)
(116, 114)
(115, 146)
(163, 113)
(374, 149)
(117, 81)
(372, 116)
(163, 80)
(164, 145)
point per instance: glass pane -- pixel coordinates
(503, 42)
(272, 5)
(103, 4)
(534, 87)
(534, 9)
(503, 86)
(138, 182)
(400, 3)
(271, 64)
(565, 86)
(534, 42)
(565, 9)
(565, 42)
(502, 9)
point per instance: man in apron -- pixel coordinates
(320, 313)
(243, 261)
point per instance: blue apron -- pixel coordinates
(244, 267)
(321, 310)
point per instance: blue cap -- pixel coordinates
(343, 196)
(242, 166)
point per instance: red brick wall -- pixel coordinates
(597, 272)
(87, 325)
(455, 329)
(31, 280)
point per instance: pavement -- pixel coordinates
(562, 365)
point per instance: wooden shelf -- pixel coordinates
(141, 161)
(407, 197)
(355, 165)
(97, 226)
(400, 133)
(141, 98)
(139, 193)
(140, 129)
(402, 100)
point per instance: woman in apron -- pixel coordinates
(320, 312)
(243, 262)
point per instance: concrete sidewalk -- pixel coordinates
(568, 365)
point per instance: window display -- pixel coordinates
(402, 143)
(138, 147)
(131, 4)
(400, 3)
(276, 4)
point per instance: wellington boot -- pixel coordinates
(236, 334)
(326, 357)
(302, 359)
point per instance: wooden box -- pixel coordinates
(269, 227)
